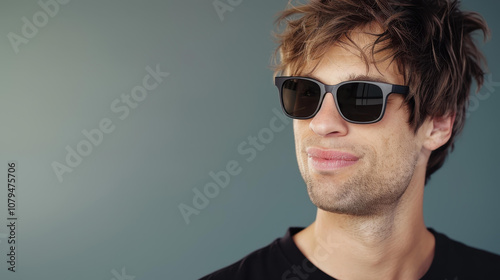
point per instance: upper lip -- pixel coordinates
(330, 154)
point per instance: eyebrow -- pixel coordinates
(358, 77)
(355, 77)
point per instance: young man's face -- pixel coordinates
(381, 157)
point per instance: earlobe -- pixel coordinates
(439, 131)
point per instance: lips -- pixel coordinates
(329, 160)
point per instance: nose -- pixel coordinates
(328, 121)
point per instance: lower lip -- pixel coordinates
(323, 164)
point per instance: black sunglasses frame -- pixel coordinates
(386, 90)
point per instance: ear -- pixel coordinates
(438, 131)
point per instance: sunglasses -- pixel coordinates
(358, 102)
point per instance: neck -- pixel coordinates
(394, 244)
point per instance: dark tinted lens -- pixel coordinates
(300, 97)
(360, 102)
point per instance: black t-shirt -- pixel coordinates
(282, 260)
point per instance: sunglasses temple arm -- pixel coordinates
(400, 89)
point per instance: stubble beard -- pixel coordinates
(368, 192)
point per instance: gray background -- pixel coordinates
(118, 209)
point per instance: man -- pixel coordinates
(378, 91)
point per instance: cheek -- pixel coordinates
(301, 133)
(300, 130)
(399, 146)
(393, 143)
(397, 135)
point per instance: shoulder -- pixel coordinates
(248, 267)
(269, 262)
(465, 260)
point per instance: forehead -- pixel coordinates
(353, 57)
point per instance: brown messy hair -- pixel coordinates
(430, 40)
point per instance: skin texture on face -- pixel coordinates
(388, 151)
